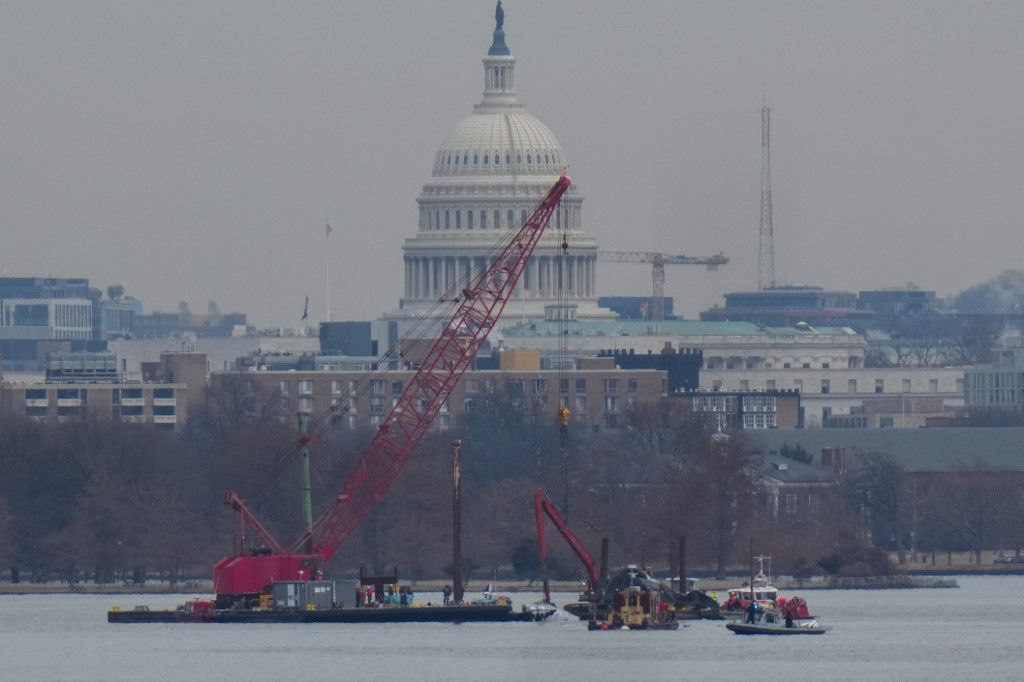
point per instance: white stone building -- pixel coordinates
(488, 175)
(875, 397)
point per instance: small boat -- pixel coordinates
(786, 618)
(776, 629)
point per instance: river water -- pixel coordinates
(972, 633)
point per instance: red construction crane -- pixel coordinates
(244, 577)
(541, 506)
(658, 262)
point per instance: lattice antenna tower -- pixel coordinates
(766, 241)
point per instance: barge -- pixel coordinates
(390, 614)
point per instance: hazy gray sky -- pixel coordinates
(193, 150)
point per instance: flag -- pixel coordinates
(328, 231)
(305, 309)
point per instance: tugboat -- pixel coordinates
(638, 607)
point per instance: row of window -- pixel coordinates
(378, 387)
(116, 395)
(851, 385)
(477, 159)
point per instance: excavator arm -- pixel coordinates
(543, 506)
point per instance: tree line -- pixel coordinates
(112, 502)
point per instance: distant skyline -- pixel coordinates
(196, 151)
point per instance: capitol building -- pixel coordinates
(488, 175)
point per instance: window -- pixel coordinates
(825, 365)
(758, 420)
(851, 386)
(458, 220)
(35, 411)
(826, 414)
(305, 387)
(483, 220)
(540, 385)
(825, 385)
(465, 159)
(497, 219)
(469, 220)
(611, 403)
(378, 386)
(807, 365)
(770, 384)
(508, 159)
(447, 219)
(515, 386)
(581, 404)
(282, 388)
(353, 387)
(744, 384)
(472, 386)
(376, 406)
(163, 410)
(511, 219)
(791, 503)
(798, 384)
(529, 158)
(906, 385)
(563, 385)
(632, 385)
(933, 385)
(581, 385)
(611, 421)
(35, 394)
(396, 388)
(163, 393)
(131, 411)
(885, 422)
(611, 385)
(487, 158)
(879, 385)
(335, 387)
(476, 159)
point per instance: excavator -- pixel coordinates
(601, 594)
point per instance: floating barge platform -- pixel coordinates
(389, 614)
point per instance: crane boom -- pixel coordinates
(410, 418)
(658, 262)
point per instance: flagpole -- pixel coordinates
(327, 270)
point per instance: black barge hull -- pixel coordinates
(418, 614)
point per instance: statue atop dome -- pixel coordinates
(498, 46)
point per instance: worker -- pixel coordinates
(752, 611)
(447, 592)
(789, 618)
(359, 596)
(714, 595)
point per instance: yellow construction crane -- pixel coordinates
(658, 262)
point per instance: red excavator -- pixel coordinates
(241, 579)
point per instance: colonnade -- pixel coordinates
(429, 277)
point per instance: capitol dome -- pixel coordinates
(506, 143)
(490, 172)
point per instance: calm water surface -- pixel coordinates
(973, 633)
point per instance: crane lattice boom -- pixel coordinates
(409, 420)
